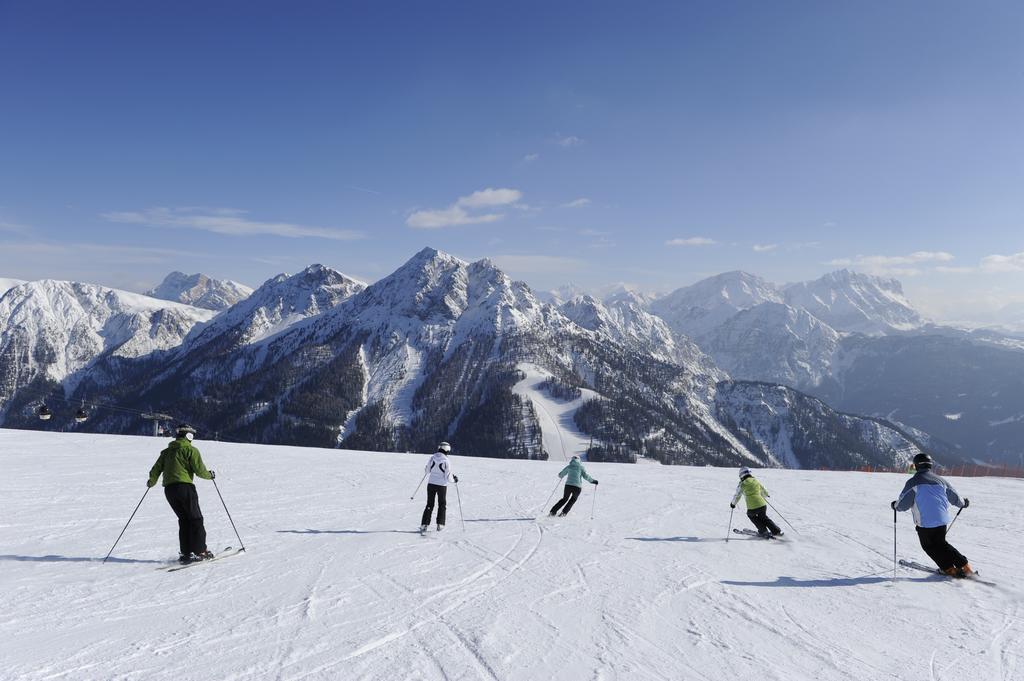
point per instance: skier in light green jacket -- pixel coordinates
(757, 507)
(178, 464)
(573, 485)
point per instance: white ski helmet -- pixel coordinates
(444, 447)
(744, 472)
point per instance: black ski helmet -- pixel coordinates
(922, 462)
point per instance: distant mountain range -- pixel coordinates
(731, 370)
(200, 290)
(856, 342)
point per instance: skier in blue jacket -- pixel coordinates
(576, 473)
(930, 497)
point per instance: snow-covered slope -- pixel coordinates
(7, 284)
(335, 584)
(52, 329)
(200, 290)
(851, 301)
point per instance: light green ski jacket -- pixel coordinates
(753, 491)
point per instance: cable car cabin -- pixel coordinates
(81, 416)
(44, 413)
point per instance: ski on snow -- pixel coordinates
(751, 533)
(935, 571)
(220, 554)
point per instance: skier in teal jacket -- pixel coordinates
(576, 473)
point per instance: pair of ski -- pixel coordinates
(751, 533)
(935, 571)
(224, 553)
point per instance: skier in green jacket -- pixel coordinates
(575, 472)
(178, 463)
(757, 507)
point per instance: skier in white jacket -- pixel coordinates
(440, 471)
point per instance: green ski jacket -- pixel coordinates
(178, 463)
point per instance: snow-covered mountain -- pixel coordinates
(624, 319)
(560, 295)
(773, 342)
(199, 290)
(445, 349)
(853, 302)
(56, 331)
(7, 284)
(700, 308)
(793, 430)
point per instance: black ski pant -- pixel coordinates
(933, 541)
(569, 497)
(441, 493)
(184, 501)
(759, 516)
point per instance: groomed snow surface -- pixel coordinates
(337, 584)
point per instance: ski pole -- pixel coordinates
(782, 516)
(459, 497)
(894, 543)
(127, 523)
(557, 483)
(214, 481)
(418, 486)
(732, 509)
(593, 504)
(954, 519)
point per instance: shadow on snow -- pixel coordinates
(74, 559)
(837, 581)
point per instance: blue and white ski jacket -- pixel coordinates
(930, 497)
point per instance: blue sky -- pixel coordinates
(650, 143)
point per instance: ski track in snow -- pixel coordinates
(337, 584)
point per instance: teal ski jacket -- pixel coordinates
(575, 471)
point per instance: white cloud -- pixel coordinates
(954, 270)
(225, 221)
(1003, 263)
(691, 241)
(764, 248)
(530, 158)
(449, 217)
(490, 197)
(593, 232)
(577, 203)
(461, 212)
(893, 265)
(568, 141)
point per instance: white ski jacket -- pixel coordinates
(439, 468)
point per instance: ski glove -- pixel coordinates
(213, 475)
(893, 505)
(150, 484)
(455, 478)
(594, 481)
(967, 502)
(732, 505)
